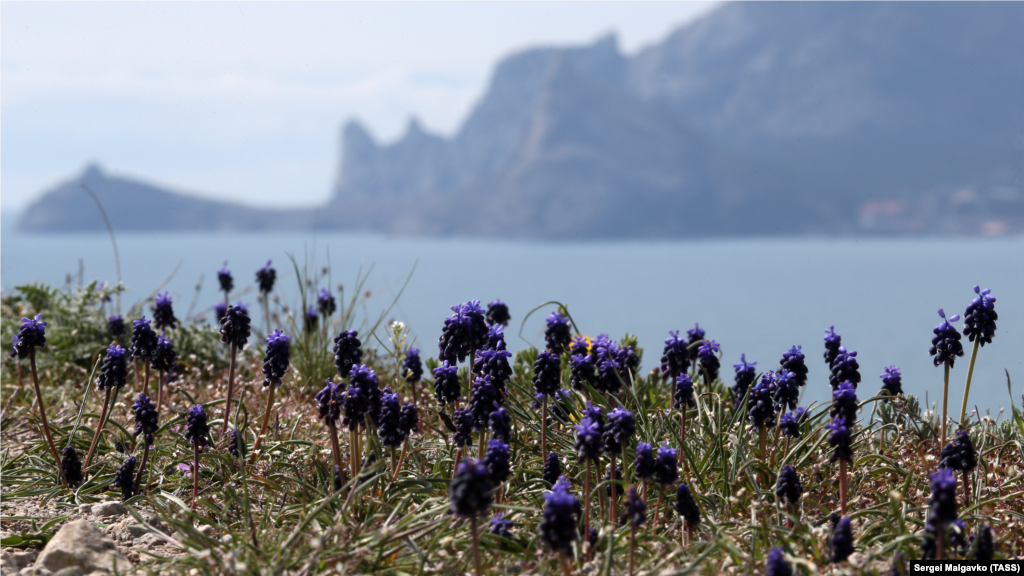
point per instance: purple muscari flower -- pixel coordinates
(164, 358)
(143, 345)
(959, 454)
(745, 376)
(776, 564)
(557, 336)
(146, 420)
(628, 361)
(552, 469)
(785, 390)
(788, 489)
(219, 310)
(265, 277)
(686, 506)
(547, 373)
(71, 466)
(794, 361)
(469, 492)
(892, 382)
(277, 358)
(116, 325)
(235, 326)
(494, 363)
(501, 527)
(497, 313)
(957, 531)
(791, 423)
(236, 444)
(706, 355)
(845, 368)
(840, 440)
(337, 479)
(330, 400)
(447, 388)
(412, 367)
(980, 318)
(682, 393)
(501, 424)
(463, 332)
(579, 345)
(581, 371)
(408, 420)
(620, 428)
(227, 283)
(114, 370)
(496, 337)
(347, 351)
(946, 344)
(592, 537)
(842, 541)
(984, 549)
(588, 441)
(608, 375)
(356, 403)
(497, 461)
(311, 319)
(560, 515)
(163, 313)
(666, 468)
(636, 509)
(197, 431)
(844, 404)
(942, 508)
(482, 399)
(696, 334)
(365, 380)
(643, 465)
(761, 411)
(832, 343)
(463, 420)
(675, 359)
(387, 430)
(325, 302)
(124, 478)
(595, 414)
(617, 477)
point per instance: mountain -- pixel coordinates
(760, 118)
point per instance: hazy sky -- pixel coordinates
(245, 100)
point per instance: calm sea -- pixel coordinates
(754, 296)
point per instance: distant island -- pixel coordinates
(757, 119)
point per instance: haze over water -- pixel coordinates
(756, 296)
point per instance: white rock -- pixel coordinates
(109, 509)
(80, 544)
(13, 561)
(85, 509)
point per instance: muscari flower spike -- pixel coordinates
(365, 380)
(463, 420)
(695, 334)
(469, 492)
(560, 515)
(552, 469)
(412, 367)
(636, 509)
(265, 277)
(146, 418)
(124, 478)
(311, 319)
(745, 376)
(709, 363)
(794, 361)
(235, 437)
(788, 488)
(481, 402)
(447, 388)
(581, 371)
(497, 313)
(347, 351)
(666, 467)
(946, 344)
(561, 405)
(892, 382)
(165, 358)
(942, 509)
(408, 420)
(144, 341)
(686, 506)
(501, 527)
(330, 400)
(494, 363)
(595, 414)
(785, 390)
(845, 368)
(682, 393)
(497, 459)
(791, 423)
(71, 467)
(388, 430)
(463, 332)
(501, 424)
(840, 440)
(325, 303)
(980, 318)
(557, 336)
(643, 464)
(588, 441)
(842, 541)
(844, 403)
(219, 309)
(277, 358)
(547, 373)
(620, 428)
(983, 548)
(227, 283)
(761, 410)
(959, 454)
(776, 564)
(163, 313)
(235, 326)
(832, 343)
(197, 431)
(114, 371)
(675, 359)
(116, 325)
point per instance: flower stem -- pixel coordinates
(842, 487)
(266, 419)
(544, 427)
(195, 477)
(145, 379)
(142, 466)
(586, 507)
(231, 389)
(967, 386)
(632, 547)
(42, 413)
(612, 504)
(159, 390)
(335, 447)
(945, 402)
(99, 427)
(476, 546)
(401, 459)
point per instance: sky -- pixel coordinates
(245, 101)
